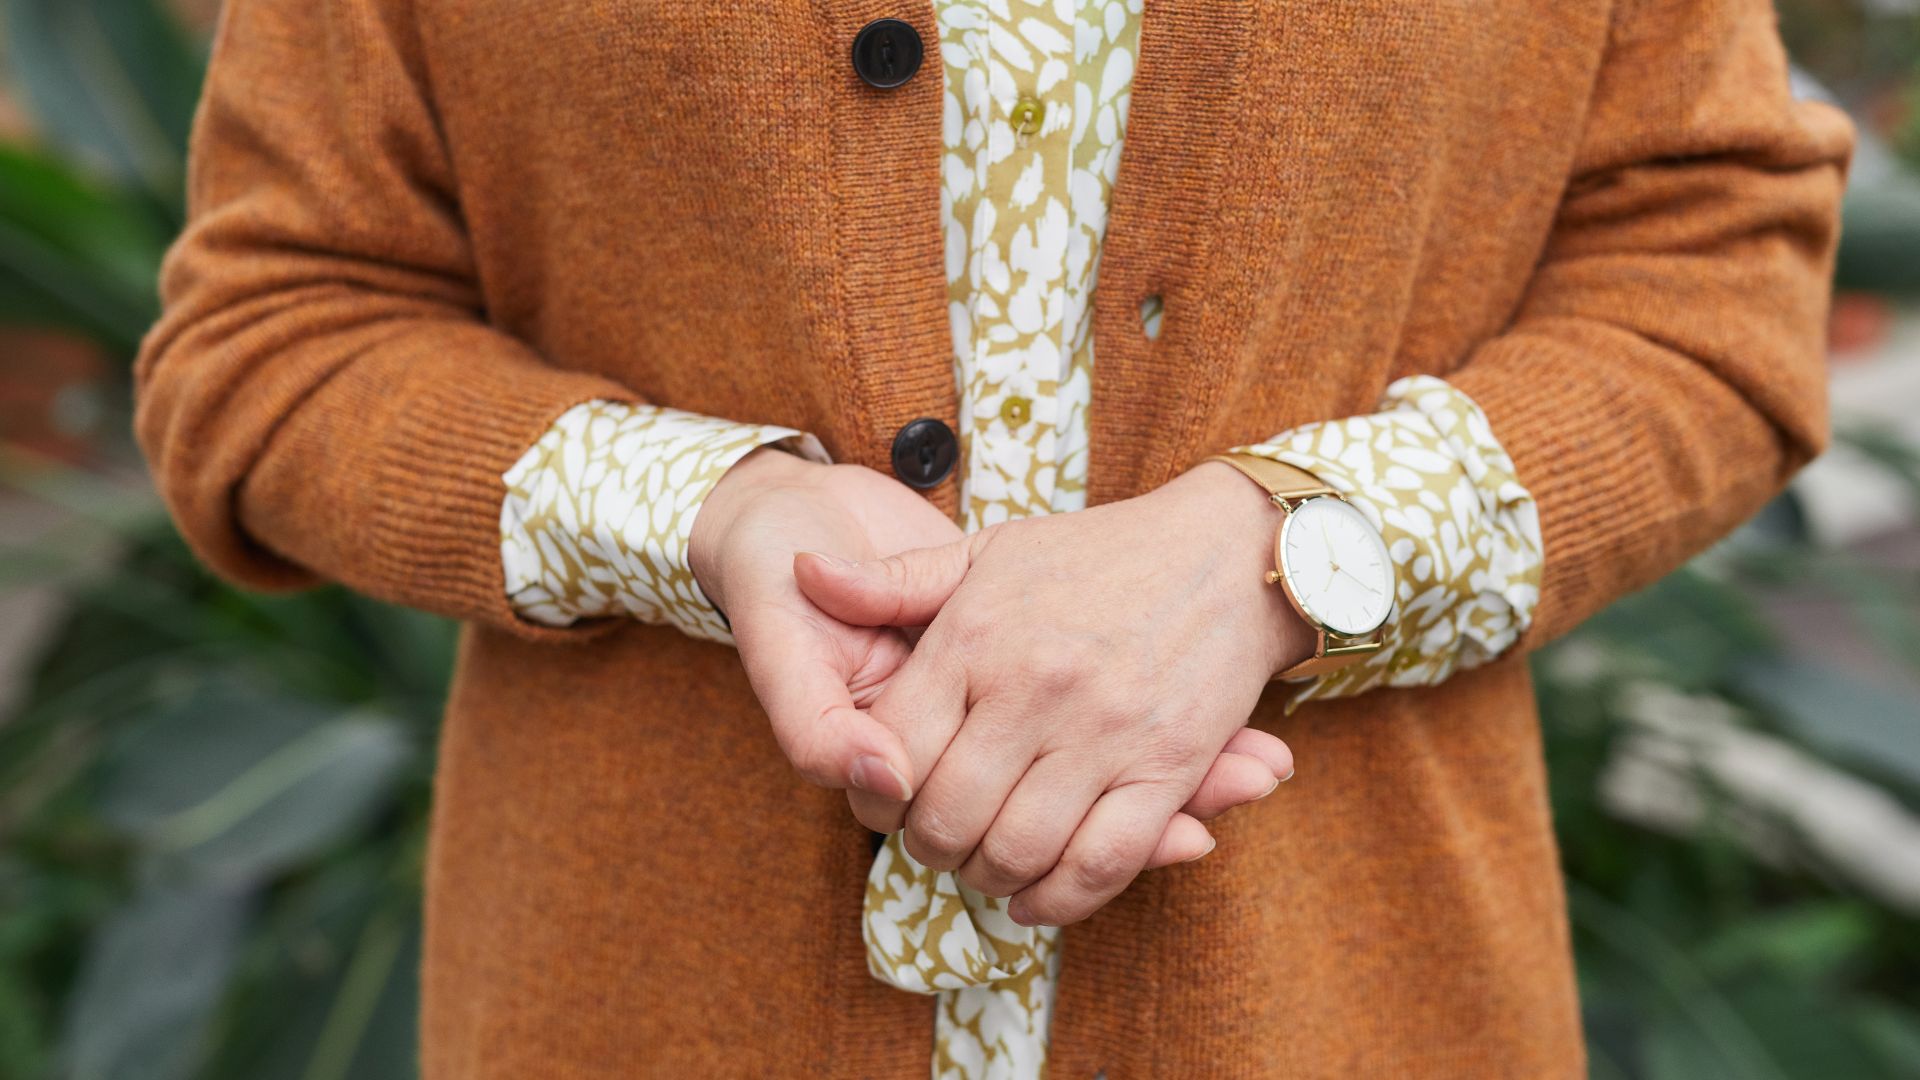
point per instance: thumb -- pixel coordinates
(801, 680)
(907, 589)
(841, 746)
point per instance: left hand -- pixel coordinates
(1078, 675)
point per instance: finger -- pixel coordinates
(1184, 840)
(1107, 852)
(877, 812)
(906, 589)
(1233, 779)
(923, 706)
(965, 790)
(1033, 826)
(1255, 743)
(801, 680)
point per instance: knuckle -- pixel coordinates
(1007, 864)
(1057, 663)
(934, 838)
(1102, 866)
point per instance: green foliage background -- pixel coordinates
(213, 804)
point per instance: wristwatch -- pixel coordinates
(1331, 561)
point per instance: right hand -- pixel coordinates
(815, 675)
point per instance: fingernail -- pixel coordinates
(830, 560)
(1275, 786)
(1019, 912)
(1211, 844)
(1285, 778)
(873, 774)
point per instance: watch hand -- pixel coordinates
(1362, 584)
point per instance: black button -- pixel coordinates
(886, 53)
(924, 453)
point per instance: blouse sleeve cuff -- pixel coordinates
(599, 512)
(1463, 532)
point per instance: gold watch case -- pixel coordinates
(1333, 648)
(1290, 488)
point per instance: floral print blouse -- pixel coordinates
(598, 513)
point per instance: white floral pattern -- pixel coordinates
(598, 514)
(599, 511)
(1025, 213)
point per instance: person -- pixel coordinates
(1023, 417)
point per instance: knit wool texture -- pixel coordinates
(421, 231)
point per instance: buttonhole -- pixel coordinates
(1151, 310)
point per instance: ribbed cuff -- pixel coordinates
(1583, 439)
(435, 540)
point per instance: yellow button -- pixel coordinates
(1028, 114)
(1015, 411)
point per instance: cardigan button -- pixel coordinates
(886, 53)
(924, 453)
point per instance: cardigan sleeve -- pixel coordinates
(1664, 374)
(322, 398)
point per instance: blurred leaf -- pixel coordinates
(240, 786)
(23, 1051)
(1696, 1029)
(371, 1030)
(1779, 1010)
(1880, 233)
(151, 982)
(1894, 1034)
(1885, 447)
(1673, 1049)
(45, 199)
(297, 960)
(1842, 715)
(1808, 944)
(72, 254)
(113, 83)
(1688, 625)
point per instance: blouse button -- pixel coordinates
(1028, 114)
(1015, 411)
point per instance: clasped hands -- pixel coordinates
(1049, 706)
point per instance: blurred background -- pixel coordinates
(212, 805)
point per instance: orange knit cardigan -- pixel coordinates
(421, 229)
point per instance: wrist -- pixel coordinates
(764, 469)
(1236, 522)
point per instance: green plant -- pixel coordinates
(1721, 929)
(83, 220)
(213, 808)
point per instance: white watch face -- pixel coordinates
(1336, 566)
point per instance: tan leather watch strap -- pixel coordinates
(1277, 478)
